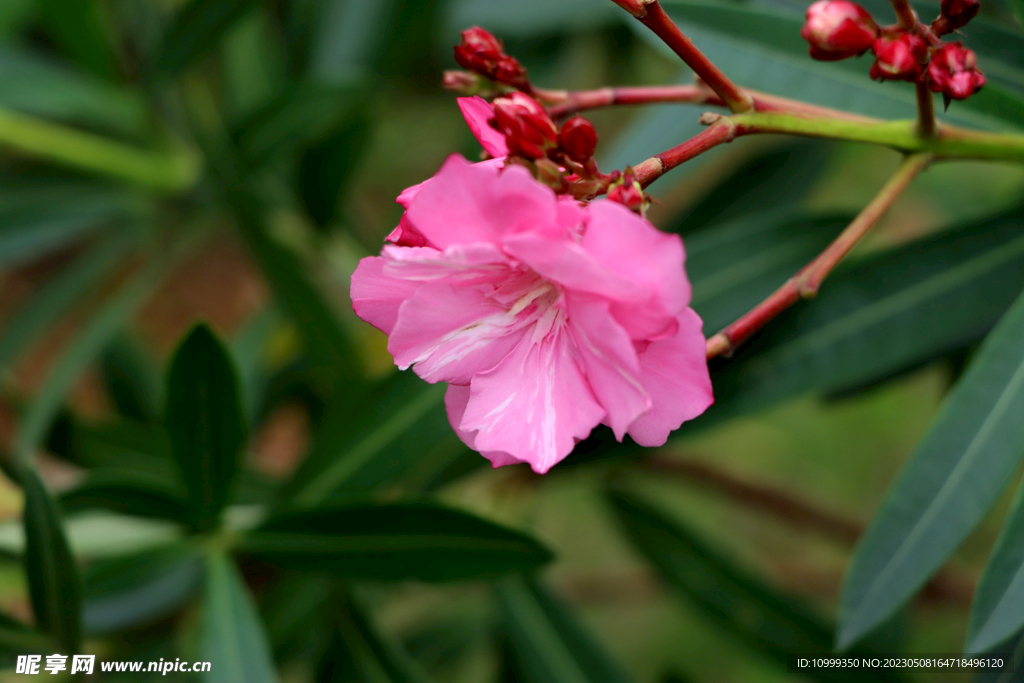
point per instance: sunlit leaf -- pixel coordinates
(233, 638)
(954, 477)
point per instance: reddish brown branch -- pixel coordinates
(566, 103)
(805, 284)
(648, 171)
(651, 14)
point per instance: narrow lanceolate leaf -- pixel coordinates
(128, 493)
(549, 645)
(372, 651)
(196, 30)
(997, 611)
(333, 358)
(43, 308)
(131, 380)
(233, 637)
(879, 316)
(75, 358)
(771, 624)
(54, 585)
(393, 541)
(954, 477)
(127, 592)
(204, 420)
(369, 438)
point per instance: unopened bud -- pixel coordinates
(955, 14)
(461, 82)
(578, 139)
(898, 57)
(837, 29)
(528, 129)
(627, 191)
(952, 72)
(510, 72)
(479, 51)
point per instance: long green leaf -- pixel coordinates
(128, 592)
(954, 477)
(131, 379)
(130, 494)
(393, 541)
(997, 611)
(373, 650)
(548, 643)
(734, 267)
(204, 420)
(233, 638)
(83, 350)
(877, 317)
(36, 315)
(39, 217)
(333, 358)
(768, 623)
(54, 585)
(196, 30)
(34, 84)
(368, 437)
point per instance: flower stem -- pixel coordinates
(169, 172)
(905, 14)
(651, 14)
(925, 111)
(646, 172)
(566, 103)
(805, 284)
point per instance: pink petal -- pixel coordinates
(463, 263)
(534, 405)
(377, 296)
(609, 361)
(675, 374)
(564, 261)
(451, 334)
(637, 251)
(478, 113)
(467, 203)
(455, 401)
(406, 235)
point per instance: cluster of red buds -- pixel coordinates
(561, 157)
(837, 29)
(483, 54)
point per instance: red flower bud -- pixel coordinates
(479, 51)
(510, 72)
(461, 82)
(837, 29)
(627, 195)
(952, 72)
(578, 139)
(955, 14)
(899, 57)
(528, 129)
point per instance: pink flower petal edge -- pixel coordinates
(546, 318)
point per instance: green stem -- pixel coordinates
(949, 142)
(168, 172)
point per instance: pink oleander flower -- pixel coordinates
(545, 317)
